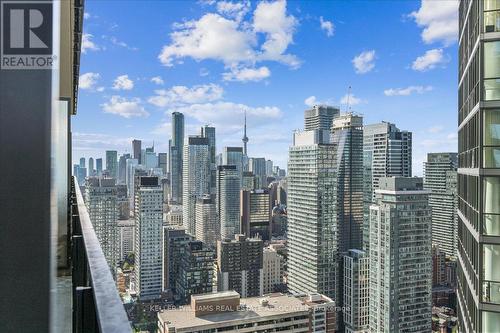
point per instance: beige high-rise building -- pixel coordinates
(272, 270)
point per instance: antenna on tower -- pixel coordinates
(245, 138)
(348, 106)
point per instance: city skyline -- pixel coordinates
(406, 83)
(151, 214)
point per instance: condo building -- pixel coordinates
(228, 200)
(400, 257)
(312, 214)
(148, 237)
(440, 178)
(478, 167)
(240, 265)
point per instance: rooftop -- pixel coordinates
(250, 309)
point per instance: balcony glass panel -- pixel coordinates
(491, 157)
(491, 89)
(491, 128)
(491, 292)
(491, 195)
(491, 225)
(491, 321)
(491, 5)
(491, 59)
(492, 21)
(491, 269)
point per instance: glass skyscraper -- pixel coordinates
(196, 178)
(176, 156)
(347, 137)
(312, 214)
(479, 167)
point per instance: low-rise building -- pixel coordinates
(225, 311)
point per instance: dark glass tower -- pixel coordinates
(479, 167)
(175, 164)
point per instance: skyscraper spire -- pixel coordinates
(245, 138)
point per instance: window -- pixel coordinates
(491, 70)
(491, 139)
(491, 271)
(491, 321)
(491, 206)
(491, 15)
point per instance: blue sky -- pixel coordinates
(211, 60)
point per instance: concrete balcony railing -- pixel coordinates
(96, 304)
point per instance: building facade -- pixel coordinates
(112, 163)
(387, 152)
(196, 270)
(400, 257)
(273, 270)
(196, 179)
(174, 246)
(440, 178)
(240, 265)
(478, 167)
(347, 137)
(101, 201)
(356, 291)
(320, 117)
(255, 210)
(209, 133)
(228, 200)
(312, 214)
(126, 232)
(207, 227)
(148, 235)
(136, 149)
(176, 157)
(257, 165)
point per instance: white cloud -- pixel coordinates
(351, 99)
(407, 91)
(124, 107)
(247, 74)
(88, 43)
(364, 62)
(123, 82)
(88, 81)
(311, 101)
(86, 15)
(429, 60)
(327, 26)
(178, 95)
(232, 40)
(236, 10)
(439, 20)
(157, 80)
(270, 18)
(227, 117)
(211, 37)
